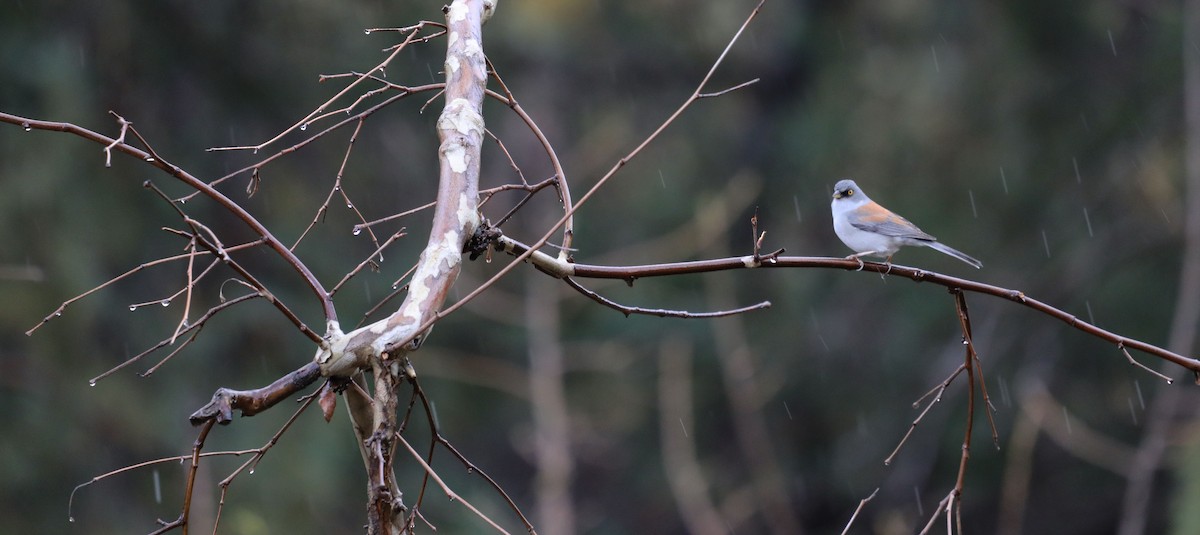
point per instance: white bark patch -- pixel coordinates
(458, 12)
(472, 48)
(468, 216)
(456, 156)
(749, 262)
(397, 333)
(451, 65)
(418, 292)
(453, 38)
(439, 258)
(461, 117)
(474, 52)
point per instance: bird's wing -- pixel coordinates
(880, 220)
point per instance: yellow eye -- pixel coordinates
(849, 192)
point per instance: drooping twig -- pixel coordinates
(660, 312)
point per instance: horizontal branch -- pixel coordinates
(629, 274)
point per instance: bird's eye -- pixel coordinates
(849, 192)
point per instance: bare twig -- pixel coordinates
(861, 503)
(377, 254)
(225, 202)
(437, 438)
(446, 488)
(662, 313)
(259, 453)
(938, 390)
(319, 113)
(189, 487)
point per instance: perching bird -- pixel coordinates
(872, 230)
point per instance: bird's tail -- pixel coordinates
(955, 253)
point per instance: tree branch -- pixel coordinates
(629, 274)
(199, 185)
(252, 402)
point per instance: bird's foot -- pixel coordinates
(856, 258)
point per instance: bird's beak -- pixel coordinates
(837, 195)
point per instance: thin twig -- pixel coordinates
(188, 179)
(377, 253)
(939, 390)
(1121, 346)
(471, 467)
(316, 114)
(259, 453)
(861, 504)
(446, 488)
(662, 313)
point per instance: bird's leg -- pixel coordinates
(888, 262)
(858, 258)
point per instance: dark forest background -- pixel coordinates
(1045, 138)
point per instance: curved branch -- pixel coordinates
(560, 176)
(199, 185)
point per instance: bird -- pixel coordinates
(872, 230)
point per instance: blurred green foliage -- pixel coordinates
(1045, 139)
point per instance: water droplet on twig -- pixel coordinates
(165, 302)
